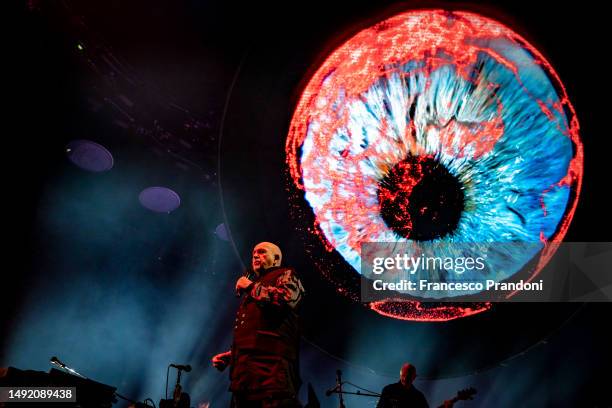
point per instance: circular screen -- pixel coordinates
(436, 127)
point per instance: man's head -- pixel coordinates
(407, 374)
(266, 255)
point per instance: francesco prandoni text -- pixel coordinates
(425, 285)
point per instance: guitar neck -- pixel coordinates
(449, 403)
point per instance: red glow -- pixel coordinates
(410, 175)
(411, 310)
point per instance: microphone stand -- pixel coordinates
(338, 390)
(362, 394)
(177, 388)
(179, 399)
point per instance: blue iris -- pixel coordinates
(512, 191)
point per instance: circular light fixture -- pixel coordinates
(89, 156)
(159, 199)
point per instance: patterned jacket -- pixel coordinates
(267, 320)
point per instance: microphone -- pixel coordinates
(186, 368)
(331, 391)
(338, 385)
(248, 273)
(55, 361)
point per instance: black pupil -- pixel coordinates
(420, 199)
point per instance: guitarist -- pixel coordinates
(403, 394)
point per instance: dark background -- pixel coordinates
(119, 292)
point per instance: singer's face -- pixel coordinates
(263, 256)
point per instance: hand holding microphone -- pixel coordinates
(242, 284)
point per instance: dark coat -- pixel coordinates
(266, 337)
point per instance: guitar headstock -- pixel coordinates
(466, 394)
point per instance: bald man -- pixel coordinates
(403, 394)
(264, 358)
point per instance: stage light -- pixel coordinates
(159, 199)
(222, 233)
(89, 156)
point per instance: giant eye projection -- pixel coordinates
(436, 126)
